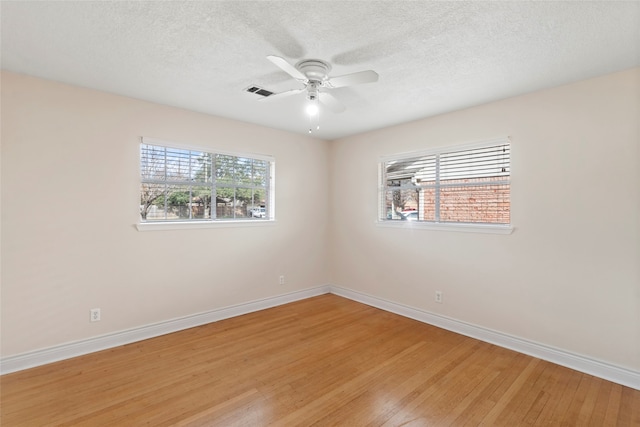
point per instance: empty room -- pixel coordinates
(296, 213)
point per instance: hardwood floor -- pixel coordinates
(319, 362)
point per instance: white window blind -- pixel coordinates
(465, 185)
(180, 184)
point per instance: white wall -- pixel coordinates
(569, 275)
(70, 191)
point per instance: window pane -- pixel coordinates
(244, 197)
(152, 162)
(256, 205)
(259, 197)
(414, 169)
(399, 201)
(488, 203)
(260, 168)
(428, 204)
(178, 164)
(243, 170)
(201, 202)
(479, 162)
(225, 202)
(178, 198)
(152, 197)
(200, 167)
(224, 169)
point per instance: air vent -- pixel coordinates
(259, 91)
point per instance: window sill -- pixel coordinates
(467, 228)
(189, 225)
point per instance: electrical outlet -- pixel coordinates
(439, 297)
(281, 280)
(95, 314)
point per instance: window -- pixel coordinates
(186, 185)
(465, 185)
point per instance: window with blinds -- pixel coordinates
(468, 184)
(180, 184)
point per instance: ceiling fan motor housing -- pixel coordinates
(316, 70)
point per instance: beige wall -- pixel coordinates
(569, 275)
(70, 183)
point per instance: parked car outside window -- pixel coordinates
(258, 212)
(409, 216)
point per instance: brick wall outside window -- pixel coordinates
(488, 203)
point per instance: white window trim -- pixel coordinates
(466, 227)
(211, 223)
(192, 225)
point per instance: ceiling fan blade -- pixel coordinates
(331, 102)
(281, 94)
(368, 76)
(287, 68)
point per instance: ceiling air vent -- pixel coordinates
(259, 91)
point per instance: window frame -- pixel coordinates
(492, 228)
(199, 223)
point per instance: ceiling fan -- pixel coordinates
(314, 75)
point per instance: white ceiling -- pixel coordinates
(432, 57)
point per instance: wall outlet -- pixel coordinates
(281, 280)
(439, 297)
(95, 314)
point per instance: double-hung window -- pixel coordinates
(467, 185)
(187, 185)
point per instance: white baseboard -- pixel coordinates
(79, 348)
(580, 363)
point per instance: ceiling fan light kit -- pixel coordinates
(314, 75)
(312, 108)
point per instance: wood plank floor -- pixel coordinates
(323, 361)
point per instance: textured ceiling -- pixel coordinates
(432, 57)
